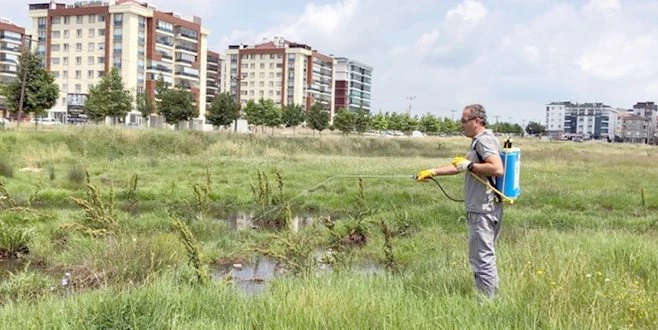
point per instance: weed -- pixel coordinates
(51, 172)
(193, 251)
(6, 201)
(131, 192)
(14, 241)
(100, 219)
(389, 255)
(6, 169)
(23, 286)
(76, 175)
(273, 211)
(293, 251)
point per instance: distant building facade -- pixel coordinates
(588, 120)
(81, 42)
(283, 71)
(648, 111)
(633, 128)
(213, 76)
(12, 38)
(353, 84)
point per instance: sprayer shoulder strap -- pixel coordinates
(492, 180)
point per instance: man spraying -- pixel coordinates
(484, 208)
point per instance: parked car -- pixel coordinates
(45, 121)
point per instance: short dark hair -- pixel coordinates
(477, 111)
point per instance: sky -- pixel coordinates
(436, 56)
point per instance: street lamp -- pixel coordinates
(29, 39)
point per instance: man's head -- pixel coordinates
(474, 120)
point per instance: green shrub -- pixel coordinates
(6, 169)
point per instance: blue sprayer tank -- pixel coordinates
(509, 183)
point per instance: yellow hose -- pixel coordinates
(505, 198)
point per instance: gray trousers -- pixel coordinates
(483, 229)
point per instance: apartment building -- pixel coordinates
(589, 120)
(213, 76)
(11, 41)
(353, 84)
(283, 71)
(632, 127)
(82, 42)
(649, 111)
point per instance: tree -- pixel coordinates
(145, 104)
(108, 98)
(271, 114)
(361, 120)
(429, 124)
(534, 128)
(379, 122)
(344, 121)
(223, 110)
(254, 113)
(176, 105)
(40, 92)
(318, 117)
(293, 115)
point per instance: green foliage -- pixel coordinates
(318, 117)
(23, 286)
(101, 219)
(362, 120)
(254, 113)
(41, 91)
(271, 113)
(108, 98)
(176, 105)
(535, 128)
(14, 241)
(76, 175)
(223, 110)
(6, 169)
(145, 104)
(429, 123)
(344, 121)
(193, 251)
(506, 128)
(293, 115)
(379, 122)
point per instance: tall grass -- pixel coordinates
(577, 249)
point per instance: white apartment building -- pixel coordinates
(82, 42)
(589, 120)
(353, 84)
(11, 41)
(280, 70)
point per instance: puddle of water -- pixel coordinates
(243, 220)
(250, 279)
(253, 279)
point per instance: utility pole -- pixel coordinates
(453, 114)
(27, 37)
(496, 116)
(410, 98)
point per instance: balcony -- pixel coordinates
(159, 68)
(186, 48)
(186, 75)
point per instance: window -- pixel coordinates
(101, 46)
(101, 32)
(78, 60)
(54, 48)
(65, 87)
(90, 74)
(90, 47)
(57, 34)
(78, 19)
(65, 47)
(67, 19)
(92, 32)
(54, 61)
(101, 18)
(78, 74)
(57, 20)
(90, 60)
(92, 18)
(262, 65)
(78, 88)
(66, 34)
(55, 74)
(78, 47)
(101, 60)
(101, 74)
(65, 60)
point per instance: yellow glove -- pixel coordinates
(424, 175)
(461, 163)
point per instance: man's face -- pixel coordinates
(469, 123)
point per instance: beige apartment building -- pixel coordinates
(11, 41)
(280, 70)
(213, 76)
(82, 42)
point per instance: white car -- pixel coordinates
(45, 121)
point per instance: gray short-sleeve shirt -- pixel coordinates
(477, 197)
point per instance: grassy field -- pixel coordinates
(138, 229)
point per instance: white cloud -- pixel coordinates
(620, 56)
(602, 5)
(469, 10)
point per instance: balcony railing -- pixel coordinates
(159, 68)
(187, 48)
